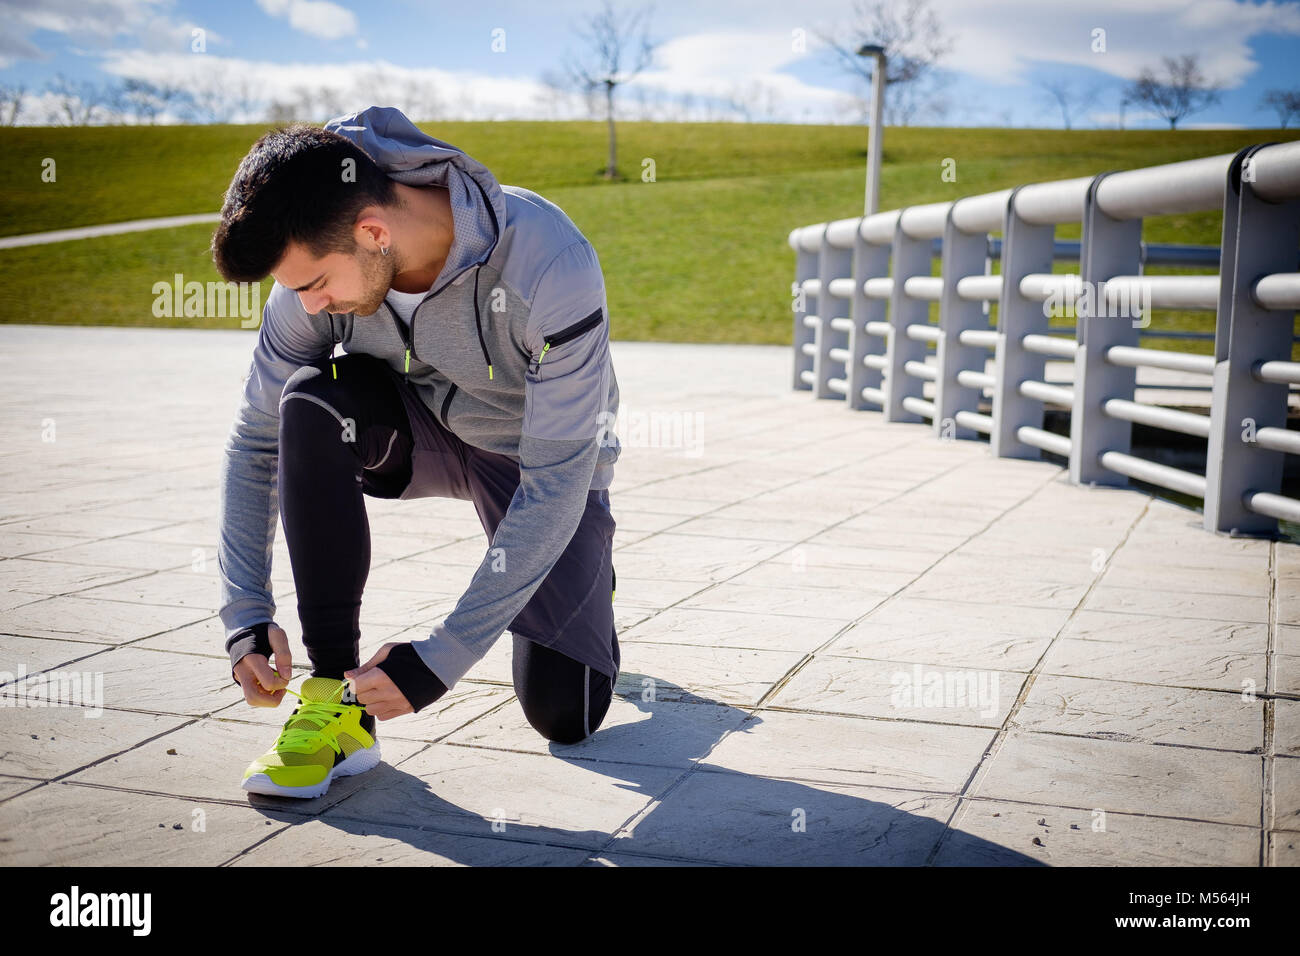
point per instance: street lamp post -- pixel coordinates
(877, 133)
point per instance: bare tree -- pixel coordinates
(913, 40)
(11, 103)
(78, 101)
(1068, 98)
(612, 40)
(1182, 90)
(1286, 102)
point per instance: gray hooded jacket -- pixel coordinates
(516, 362)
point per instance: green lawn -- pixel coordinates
(698, 255)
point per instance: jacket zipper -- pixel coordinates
(572, 332)
(446, 403)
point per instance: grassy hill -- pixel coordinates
(697, 255)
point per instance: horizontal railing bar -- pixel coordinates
(1194, 185)
(1042, 392)
(1279, 292)
(1048, 441)
(1280, 373)
(1275, 506)
(1278, 439)
(880, 329)
(842, 324)
(928, 288)
(1187, 423)
(985, 338)
(923, 333)
(1130, 357)
(925, 222)
(838, 355)
(806, 376)
(975, 421)
(1277, 172)
(841, 288)
(838, 385)
(973, 379)
(920, 370)
(1163, 476)
(881, 287)
(876, 395)
(979, 288)
(918, 406)
(808, 348)
(1050, 345)
(878, 362)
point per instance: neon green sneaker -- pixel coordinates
(322, 739)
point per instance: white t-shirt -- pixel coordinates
(405, 303)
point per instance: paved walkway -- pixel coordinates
(843, 642)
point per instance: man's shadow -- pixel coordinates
(716, 815)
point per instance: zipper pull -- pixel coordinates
(543, 355)
(489, 372)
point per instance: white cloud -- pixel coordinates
(317, 18)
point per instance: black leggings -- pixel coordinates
(345, 436)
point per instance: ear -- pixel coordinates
(371, 230)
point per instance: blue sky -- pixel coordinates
(438, 57)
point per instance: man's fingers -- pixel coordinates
(283, 659)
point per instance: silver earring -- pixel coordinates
(383, 250)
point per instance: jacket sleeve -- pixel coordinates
(564, 398)
(248, 508)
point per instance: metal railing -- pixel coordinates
(864, 290)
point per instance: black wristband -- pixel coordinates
(251, 640)
(419, 685)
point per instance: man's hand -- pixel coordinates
(376, 690)
(262, 686)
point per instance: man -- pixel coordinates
(475, 324)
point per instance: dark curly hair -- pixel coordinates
(295, 185)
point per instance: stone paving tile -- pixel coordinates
(51, 577)
(803, 603)
(704, 627)
(792, 570)
(1125, 777)
(660, 733)
(48, 742)
(1285, 848)
(537, 799)
(766, 529)
(852, 751)
(106, 622)
(1190, 665)
(1113, 710)
(1286, 727)
(757, 821)
(209, 762)
(164, 682)
(336, 841)
(188, 589)
(898, 690)
(696, 557)
(1286, 793)
(15, 544)
(998, 833)
(709, 674)
(1188, 604)
(65, 824)
(36, 654)
(1232, 637)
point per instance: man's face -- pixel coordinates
(339, 282)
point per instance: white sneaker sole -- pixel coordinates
(359, 762)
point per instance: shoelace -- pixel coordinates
(307, 739)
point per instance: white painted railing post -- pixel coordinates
(911, 257)
(870, 261)
(964, 254)
(1259, 238)
(833, 263)
(1026, 248)
(1110, 247)
(803, 303)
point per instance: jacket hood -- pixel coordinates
(415, 158)
(410, 156)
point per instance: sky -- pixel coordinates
(714, 59)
